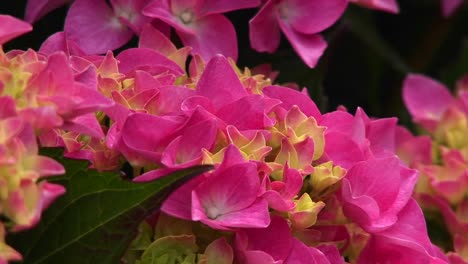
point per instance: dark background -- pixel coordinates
(369, 53)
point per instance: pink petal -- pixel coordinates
(47, 167)
(425, 98)
(130, 13)
(311, 17)
(390, 6)
(220, 83)
(187, 148)
(170, 13)
(12, 28)
(150, 140)
(229, 190)
(300, 253)
(7, 107)
(254, 216)
(275, 240)
(93, 25)
(86, 124)
(35, 9)
(213, 34)
(60, 42)
(264, 32)
(449, 6)
(291, 97)
(342, 150)
(223, 6)
(249, 112)
(136, 58)
(152, 38)
(309, 47)
(179, 204)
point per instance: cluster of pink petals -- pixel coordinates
(442, 155)
(264, 140)
(98, 27)
(39, 93)
(289, 184)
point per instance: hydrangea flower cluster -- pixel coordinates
(97, 26)
(290, 184)
(441, 155)
(37, 94)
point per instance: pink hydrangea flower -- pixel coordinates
(300, 20)
(98, 27)
(200, 24)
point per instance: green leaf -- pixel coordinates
(98, 217)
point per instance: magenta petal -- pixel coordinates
(214, 34)
(59, 42)
(11, 28)
(148, 141)
(309, 47)
(223, 6)
(86, 124)
(264, 32)
(188, 147)
(291, 97)
(249, 112)
(407, 240)
(229, 189)
(165, 12)
(135, 58)
(425, 98)
(93, 25)
(152, 38)
(35, 9)
(178, 204)
(220, 83)
(275, 240)
(449, 6)
(130, 13)
(311, 17)
(301, 253)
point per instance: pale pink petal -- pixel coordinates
(94, 26)
(219, 252)
(449, 6)
(264, 31)
(213, 34)
(425, 98)
(311, 17)
(309, 47)
(47, 166)
(11, 28)
(35, 9)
